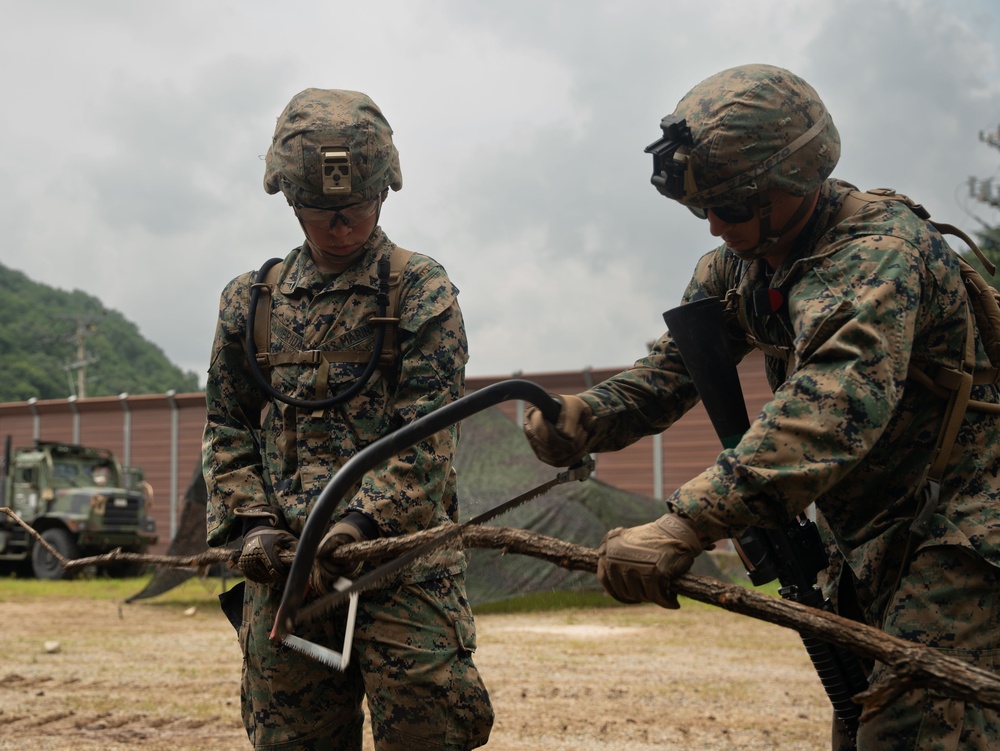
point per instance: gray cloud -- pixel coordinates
(132, 169)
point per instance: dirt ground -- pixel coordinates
(157, 675)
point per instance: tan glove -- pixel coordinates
(326, 571)
(564, 443)
(637, 564)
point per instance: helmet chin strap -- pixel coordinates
(770, 238)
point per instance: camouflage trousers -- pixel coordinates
(950, 601)
(411, 660)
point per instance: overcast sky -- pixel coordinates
(133, 135)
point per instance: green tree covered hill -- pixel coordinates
(47, 333)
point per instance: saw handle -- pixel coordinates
(375, 454)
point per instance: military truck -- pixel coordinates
(79, 499)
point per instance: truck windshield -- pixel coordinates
(75, 474)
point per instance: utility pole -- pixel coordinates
(83, 329)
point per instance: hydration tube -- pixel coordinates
(380, 451)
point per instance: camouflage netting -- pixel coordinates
(189, 539)
(494, 464)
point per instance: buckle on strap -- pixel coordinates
(922, 521)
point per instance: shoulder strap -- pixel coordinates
(856, 200)
(397, 264)
(262, 319)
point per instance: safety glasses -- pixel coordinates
(351, 215)
(735, 213)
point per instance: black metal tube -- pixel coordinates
(376, 453)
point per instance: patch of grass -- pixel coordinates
(194, 591)
(202, 591)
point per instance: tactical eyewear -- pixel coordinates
(735, 213)
(350, 215)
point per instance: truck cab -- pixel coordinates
(80, 501)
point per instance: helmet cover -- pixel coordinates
(331, 148)
(755, 127)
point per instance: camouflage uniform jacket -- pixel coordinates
(845, 427)
(261, 452)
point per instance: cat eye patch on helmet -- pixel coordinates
(350, 215)
(735, 213)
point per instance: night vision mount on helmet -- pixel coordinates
(670, 162)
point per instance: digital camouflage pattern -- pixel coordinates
(950, 600)
(744, 123)
(415, 635)
(299, 451)
(412, 658)
(845, 428)
(331, 117)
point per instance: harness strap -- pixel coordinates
(262, 319)
(930, 485)
(322, 358)
(952, 384)
(312, 357)
(947, 380)
(958, 404)
(397, 264)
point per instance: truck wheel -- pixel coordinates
(44, 564)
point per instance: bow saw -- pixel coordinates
(364, 461)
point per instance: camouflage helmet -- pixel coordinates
(741, 132)
(331, 148)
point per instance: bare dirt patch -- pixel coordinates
(148, 676)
